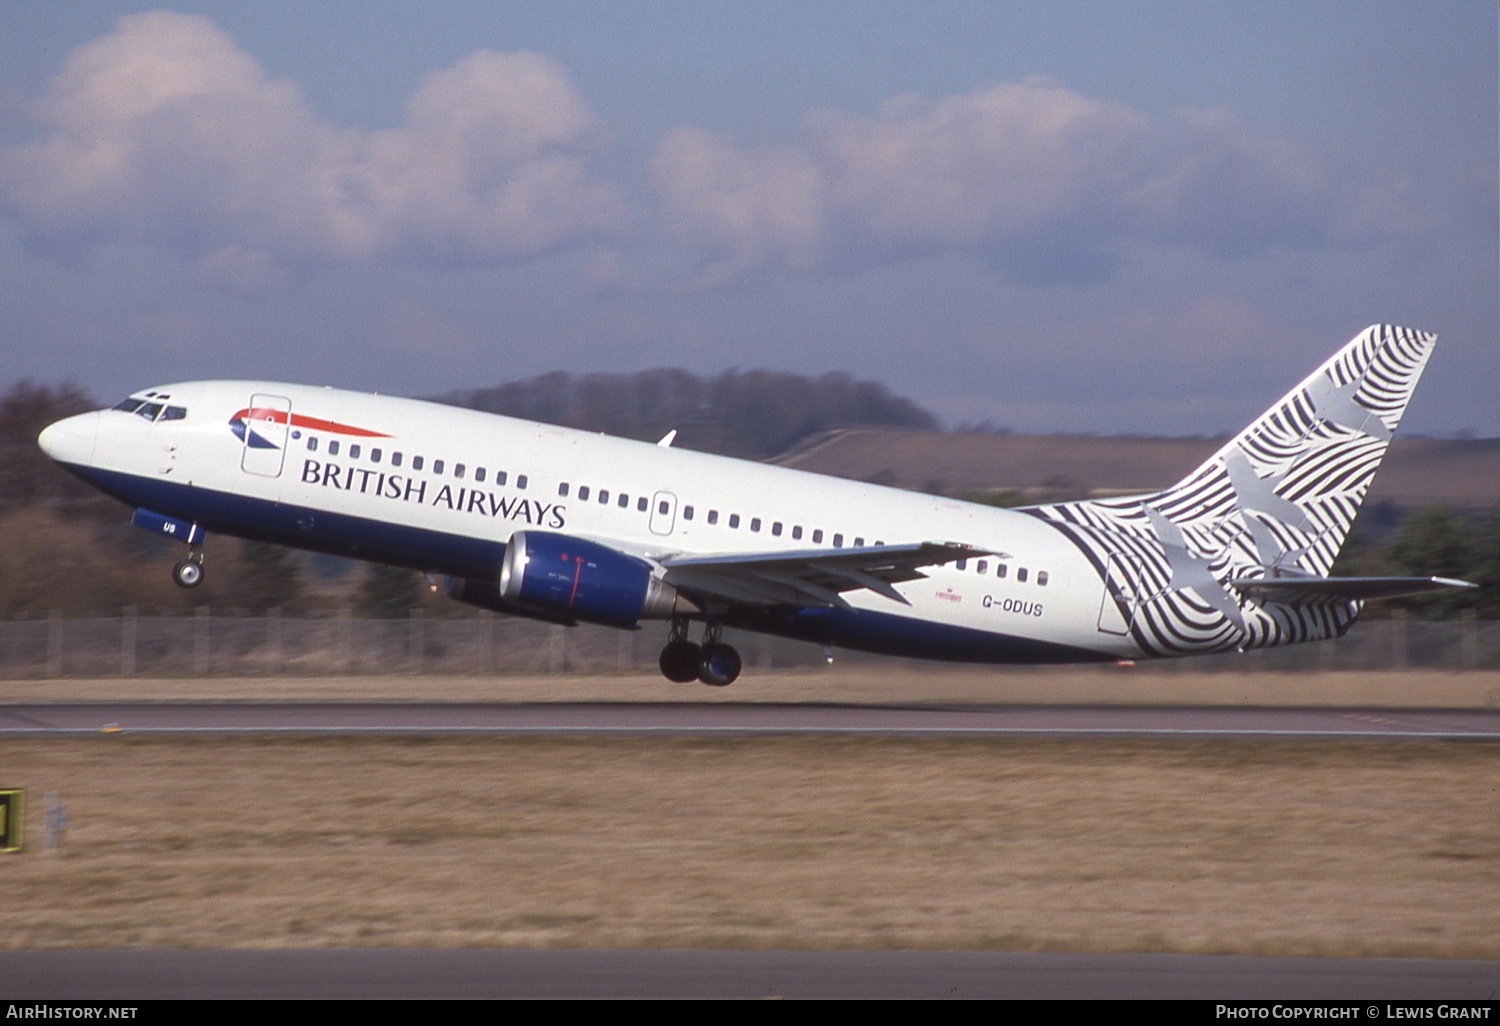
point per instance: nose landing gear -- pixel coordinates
(713, 662)
(189, 572)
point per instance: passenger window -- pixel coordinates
(713, 516)
(776, 529)
(479, 474)
(1021, 574)
(354, 452)
(755, 523)
(962, 564)
(395, 459)
(640, 504)
(981, 567)
(520, 482)
(374, 455)
(458, 470)
(416, 463)
(818, 537)
(734, 521)
(838, 541)
(500, 476)
(623, 501)
(859, 543)
(562, 489)
(1000, 569)
(583, 493)
(333, 448)
(312, 443)
(797, 533)
(664, 507)
(687, 512)
(1041, 578)
(604, 496)
(437, 466)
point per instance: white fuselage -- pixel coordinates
(443, 489)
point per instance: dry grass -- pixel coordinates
(864, 682)
(1252, 847)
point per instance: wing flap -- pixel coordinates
(816, 577)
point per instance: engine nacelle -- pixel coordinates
(560, 577)
(486, 595)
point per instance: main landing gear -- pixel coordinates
(713, 662)
(189, 572)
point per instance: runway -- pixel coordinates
(409, 973)
(478, 972)
(695, 720)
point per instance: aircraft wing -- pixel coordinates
(816, 577)
(1307, 590)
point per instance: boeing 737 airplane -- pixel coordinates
(565, 526)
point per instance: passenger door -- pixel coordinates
(267, 425)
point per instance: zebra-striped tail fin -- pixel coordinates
(1293, 480)
(1191, 568)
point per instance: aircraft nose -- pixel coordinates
(71, 440)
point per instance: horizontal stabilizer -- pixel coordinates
(1306, 590)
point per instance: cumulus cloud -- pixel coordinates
(1043, 181)
(164, 131)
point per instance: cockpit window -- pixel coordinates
(150, 410)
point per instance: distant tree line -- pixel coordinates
(27, 476)
(1434, 541)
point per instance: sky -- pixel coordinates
(1113, 217)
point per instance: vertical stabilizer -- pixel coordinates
(1295, 478)
(1277, 500)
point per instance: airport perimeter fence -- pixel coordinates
(202, 644)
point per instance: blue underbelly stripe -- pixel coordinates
(301, 527)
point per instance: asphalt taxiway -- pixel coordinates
(393, 973)
(706, 720)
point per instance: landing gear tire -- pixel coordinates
(188, 573)
(680, 661)
(719, 666)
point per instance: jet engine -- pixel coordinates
(565, 579)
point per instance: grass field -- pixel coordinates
(1228, 846)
